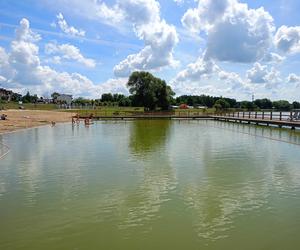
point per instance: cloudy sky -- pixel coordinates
(217, 47)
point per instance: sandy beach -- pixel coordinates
(22, 119)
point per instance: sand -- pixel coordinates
(22, 119)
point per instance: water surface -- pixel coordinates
(151, 185)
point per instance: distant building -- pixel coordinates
(64, 99)
(183, 106)
(6, 94)
(201, 107)
(45, 100)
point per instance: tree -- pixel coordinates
(296, 105)
(107, 97)
(55, 95)
(248, 105)
(149, 91)
(29, 98)
(221, 104)
(82, 101)
(282, 105)
(16, 97)
(264, 103)
(26, 98)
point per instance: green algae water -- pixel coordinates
(151, 185)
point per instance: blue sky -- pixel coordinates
(217, 47)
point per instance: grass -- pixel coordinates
(28, 106)
(118, 111)
(101, 111)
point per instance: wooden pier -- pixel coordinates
(144, 117)
(279, 119)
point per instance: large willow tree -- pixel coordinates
(149, 91)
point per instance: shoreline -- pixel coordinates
(19, 120)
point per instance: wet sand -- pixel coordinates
(22, 119)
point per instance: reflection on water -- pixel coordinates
(151, 185)
(149, 136)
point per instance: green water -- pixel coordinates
(151, 185)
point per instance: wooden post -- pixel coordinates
(255, 114)
(280, 116)
(249, 114)
(271, 116)
(263, 115)
(243, 114)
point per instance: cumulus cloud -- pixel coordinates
(293, 78)
(273, 58)
(159, 37)
(233, 80)
(261, 74)
(287, 39)
(91, 9)
(66, 28)
(257, 74)
(235, 33)
(68, 52)
(21, 69)
(198, 70)
(197, 78)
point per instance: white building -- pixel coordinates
(64, 99)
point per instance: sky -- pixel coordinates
(229, 48)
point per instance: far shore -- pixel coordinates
(23, 119)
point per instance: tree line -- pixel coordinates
(153, 93)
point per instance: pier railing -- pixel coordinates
(133, 114)
(262, 115)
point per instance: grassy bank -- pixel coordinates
(100, 111)
(28, 106)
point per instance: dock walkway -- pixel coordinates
(279, 119)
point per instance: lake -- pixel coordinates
(151, 185)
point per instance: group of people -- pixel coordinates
(295, 116)
(3, 117)
(87, 120)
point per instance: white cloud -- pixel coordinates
(235, 33)
(293, 78)
(287, 39)
(179, 2)
(70, 30)
(273, 58)
(2, 79)
(159, 37)
(232, 79)
(21, 69)
(196, 71)
(257, 74)
(68, 52)
(273, 79)
(261, 74)
(24, 33)
(90, 9)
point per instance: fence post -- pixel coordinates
(255, 114)
(243, 114)
(249, 114)
(280, 116)
(271, 116)
(263, 115)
